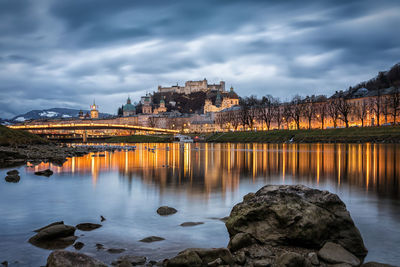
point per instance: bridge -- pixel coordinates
(72, 131)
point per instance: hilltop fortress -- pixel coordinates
(193, 87)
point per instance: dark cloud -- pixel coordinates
(65, 53)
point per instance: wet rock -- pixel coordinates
(152, 239)
(290, 259)
(129, 260)
(165, 210)
(46, 173)
(186, 258)
(79, 245)
(115, 250)
(62, 258)
(188, 224)
(102, 219)
(88, 226)
(334, 253)
(13, 172)
(376, 264)
(54, 236)
(47, 226)
(4, 263)
(12, 178)
(201, 256)
(239, 241)
(295, 216)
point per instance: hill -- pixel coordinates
(53, 113)
(17, 137)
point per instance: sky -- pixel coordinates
(67, 53)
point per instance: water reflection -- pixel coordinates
(202, 169)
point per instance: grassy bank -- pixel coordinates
(342, 135)
(17, 137)
(141, 139)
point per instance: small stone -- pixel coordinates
(165, 210)
(290, 259)
(185, 258)
(239, 241)
(4, 263)
(334, 253)
(129, 259)
(99, 246)
(46, 173)
(240, 258)
(264, 263)
(115, 250)
(102, 219)
(216, 263)
(88, 226)
(47, 226)
(313, 257)
(152, 239)
(78, 245)
(13, 172)
(187, 224)
(12, 178)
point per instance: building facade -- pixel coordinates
(192, 87)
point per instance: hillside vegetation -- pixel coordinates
(342, 135)
(17, 137)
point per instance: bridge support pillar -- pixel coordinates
(84, 136)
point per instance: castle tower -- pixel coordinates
(94, 112)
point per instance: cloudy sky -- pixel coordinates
(65, 53)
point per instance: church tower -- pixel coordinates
(94, 112)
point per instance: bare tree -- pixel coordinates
(266, 111)
(297, 108)
(287, 114)
(394, 104)
(345, 108)
(309, 110)
(152, 121)
(277, 113)
(322, 113)
(376, 106)
(333, 111)
(361, 111)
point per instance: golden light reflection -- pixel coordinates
(206, 168)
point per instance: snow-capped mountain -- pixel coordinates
(53, 113)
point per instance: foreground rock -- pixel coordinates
(46, 173)
(54, 236)
(334, 253)
(293, 216)
(88, 226)
(197, 257)
(165, 210)
(62, 258)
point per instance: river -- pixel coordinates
(203, 182)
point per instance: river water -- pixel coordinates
(203, 182)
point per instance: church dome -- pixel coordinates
(129, 107)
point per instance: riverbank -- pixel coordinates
(387, 134)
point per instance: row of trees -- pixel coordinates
(299, 111)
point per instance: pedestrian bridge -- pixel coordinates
(90, 126)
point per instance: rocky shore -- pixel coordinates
(277, 226)
(57, 154)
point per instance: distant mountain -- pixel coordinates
(53, 113)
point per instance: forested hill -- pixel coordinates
(384, 79)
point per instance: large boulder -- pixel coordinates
(296, 216)
(62, 258)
